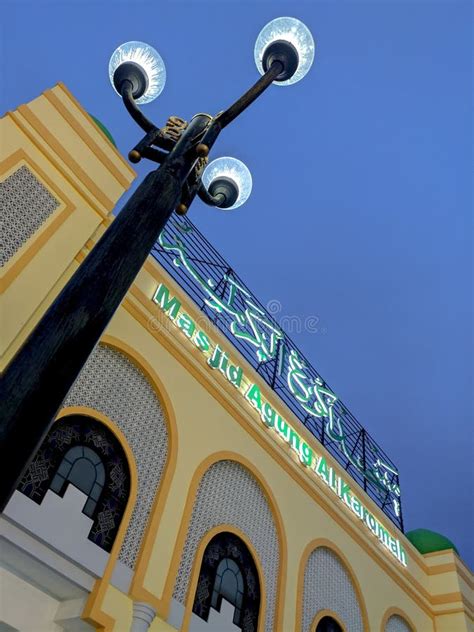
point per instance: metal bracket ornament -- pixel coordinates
(191, 186)
(164, 138)
(159, 142)
(173, 129)
(189, 258)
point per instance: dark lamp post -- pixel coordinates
(40, 375)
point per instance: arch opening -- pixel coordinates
(82, 452)
(328, 624)
(228, 571)
(330, 593)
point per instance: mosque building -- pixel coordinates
(201, 475)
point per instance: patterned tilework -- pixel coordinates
(113, 385)
(327, 585)
(397, 624)
(228, 493)
(25, 205)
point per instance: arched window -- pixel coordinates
(82, 467)
(328, 624)
(229, 584)
(228, 572)
(81, 451)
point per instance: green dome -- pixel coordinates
(103, 129)
(426, 541)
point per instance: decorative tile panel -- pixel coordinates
(229, 494)
(25, 205)
(113, 385)
(327, 585)
(397, 624)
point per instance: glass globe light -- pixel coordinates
(230, 170)
(290, 31)
(149, 61)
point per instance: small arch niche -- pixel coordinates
(328, 624)
(83, 452)
(228, 572)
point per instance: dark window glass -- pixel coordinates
(82, 475)
(328, 624)
(228, 584)
(82, 467)
(58, 482)
(64, 468)
(96, 492)
(89, 507)
(74, 453)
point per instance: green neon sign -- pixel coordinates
(218, 360)
(252, 325)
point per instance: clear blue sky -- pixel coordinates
(361, 207)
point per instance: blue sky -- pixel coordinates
(361, 208)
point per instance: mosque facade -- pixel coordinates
(200, 475)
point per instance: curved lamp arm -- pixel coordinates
(227, 116)
(207, 198)
(126, 92)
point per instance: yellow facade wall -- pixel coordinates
(213, 422)
(38, 135)
(219, 433)
(208, 418)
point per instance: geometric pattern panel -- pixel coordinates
(26, 203)
(113, 385)
(327, 585)
(397, 624)
(228, 493)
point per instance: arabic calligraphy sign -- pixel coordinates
(221, 294)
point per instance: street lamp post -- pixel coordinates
(40, 375)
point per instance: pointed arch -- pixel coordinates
(309, 549)
(327, 613)
(199, 473)
(137, 589)
(93, 612)
(197, 563)
(391, 612)
(72, 440)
